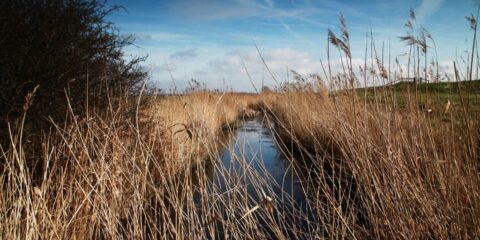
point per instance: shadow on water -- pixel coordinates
(252, 163)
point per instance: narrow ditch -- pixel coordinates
(252, 165)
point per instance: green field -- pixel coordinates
(427, 95)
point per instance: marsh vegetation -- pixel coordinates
(353, 161)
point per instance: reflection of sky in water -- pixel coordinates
(252, 147)
(254, 143)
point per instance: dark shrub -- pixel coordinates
(62, 46)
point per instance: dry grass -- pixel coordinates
(378, 171)
(107, 177)
(191, 123)
(383, 174)
(377, 174)
(384, 171)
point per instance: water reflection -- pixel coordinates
(253, 149)
(251, 161)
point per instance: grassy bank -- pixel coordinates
(441, 97)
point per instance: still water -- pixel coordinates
(250, 160)
(252, 154)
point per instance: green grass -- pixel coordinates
(462, 100)
(433, 96)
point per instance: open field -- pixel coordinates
(434, 96)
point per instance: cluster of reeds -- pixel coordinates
(149, 177)
(376, 168)
(385, 170)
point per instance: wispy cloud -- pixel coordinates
(296, 35)
(158, 36)
(279, 60)
(269, 3)
(185, 55)
(211, 9)
(210, 40)
(427, 8)
(236, 9)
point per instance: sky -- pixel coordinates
(216, 41)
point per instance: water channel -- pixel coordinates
(250, 159)
(254, 145)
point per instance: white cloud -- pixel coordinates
(278, 60)
(226, 69)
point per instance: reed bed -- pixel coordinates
(388, 163)
(383, 174)
(376, 168)
(109, 176)
(376, 174)
(194, 121)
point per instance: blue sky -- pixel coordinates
(212, 40)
